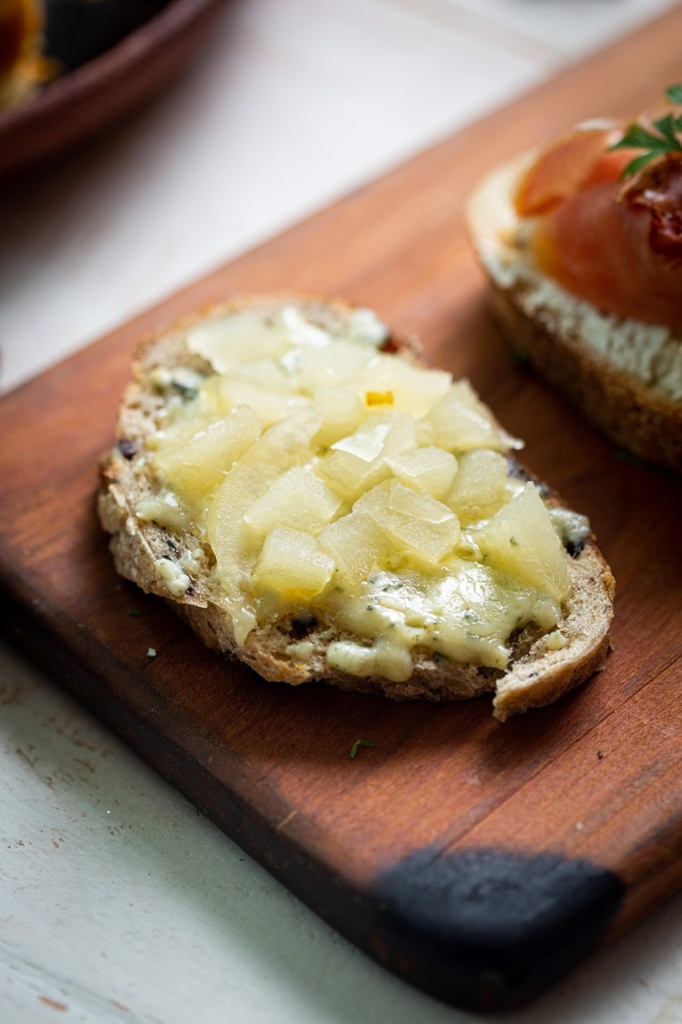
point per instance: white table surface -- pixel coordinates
(118, 901)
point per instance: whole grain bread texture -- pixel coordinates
(624, 376)
(536, 675)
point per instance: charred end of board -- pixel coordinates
(489, 929)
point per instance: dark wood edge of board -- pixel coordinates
(482, 929)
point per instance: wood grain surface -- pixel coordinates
(478, 860)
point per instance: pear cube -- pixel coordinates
(358, 462)
(281, 447)
(198, 465)
(357, 544)
(480, 487)
(297, 499)
(429, 470)
(271, 406)
(331, 366)
(460, 421)
(237, 338)
(292, 566)
(342, 411)
(521, 540)
(418, 525)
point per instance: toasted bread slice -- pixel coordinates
(624, 375)
(313, 500)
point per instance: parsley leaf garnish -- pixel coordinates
(665, 138)
(356, 746)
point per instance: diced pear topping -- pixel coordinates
(521, 539)
(357, 544)
(271, 406)
(416, 523)
(480, 487)
(268, 374)
(429, 470)
(342, 411)
(298, 499)
(328, 475)
(283, 446)
(461, 422)
(292, 566)
(358, 461)
(298, 329)
(331, 366)
(201, 463)
(368, 441)
(234, 339)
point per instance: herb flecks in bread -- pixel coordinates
(582, 243)
(314, 500)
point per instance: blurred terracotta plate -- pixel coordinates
(103, 89)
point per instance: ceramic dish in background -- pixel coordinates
(93, 95)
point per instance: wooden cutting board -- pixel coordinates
(478, 860)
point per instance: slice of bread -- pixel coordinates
(624, 375)
(421, 602)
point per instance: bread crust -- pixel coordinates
(635, 414)
(536, 674)
(630, 414)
